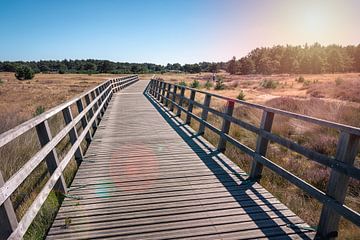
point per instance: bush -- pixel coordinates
(219, 84)
(39, 110)
(241, 96)
(195, 84)
(182, 83)
(208, 85)
(301, 79)
(1, 81)
(269, 83)
(24, 73)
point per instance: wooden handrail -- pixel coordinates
(95, 108)
(342, 166)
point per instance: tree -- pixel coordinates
(335, 61)
(24, 73)
(232, 67)
(247, 66)
(268, 66)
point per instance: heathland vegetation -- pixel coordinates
(314, 80)
(305, 59)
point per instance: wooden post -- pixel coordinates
(163, 92)
(173, 98)
(204, 113)
(261, 145)
(190, 107)
(52, 161)
(159, 90)
(167, 94)
(73, 134)
(80, 107)
(226, 125)
(346, 152)
(182, 93)
(8, 220)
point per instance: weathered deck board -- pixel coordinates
(147, 176)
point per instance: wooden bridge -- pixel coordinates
(148, 175)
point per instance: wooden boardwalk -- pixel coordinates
(146, 175)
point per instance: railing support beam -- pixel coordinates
(8, 220)
(52, 160)
(225, 128)
(204, 113)
(346, 152)
(261, 145)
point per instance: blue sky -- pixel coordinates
(172, 31)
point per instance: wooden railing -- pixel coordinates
(96, 100)
(342, 166)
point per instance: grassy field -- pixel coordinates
(334, 97)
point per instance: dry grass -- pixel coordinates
(18, 103)
(323, 140)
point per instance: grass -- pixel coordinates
(323, 98)
(319, 139)
(19, 102)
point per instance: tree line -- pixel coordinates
(92, 66)
(277, 59)
(298, 59)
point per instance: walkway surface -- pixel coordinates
(146, 175)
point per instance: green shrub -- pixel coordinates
(182, 83)
(208, 85)
(269, 83)
(306, 83)
(338, 81)
(24, 73)
(39, 110)
(1, 81)
(300, 79)
(219, 84)
(241, 95)
(195, 84)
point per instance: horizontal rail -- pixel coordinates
(342, 165)
(318, 121)
(94, 109)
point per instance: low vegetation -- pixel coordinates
(269, 83)
(241, 95)
(195, 84)
(24, 73)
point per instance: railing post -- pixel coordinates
(190, 107)
(73, 134)
(52, 161)
(80, 107)
(261, 145)
(204, 113)
(159, 90)
(226, 125)
(346, 152)
(167, 94)
(163, 92)
(181, 100)
(173, 98)
(8, 220)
